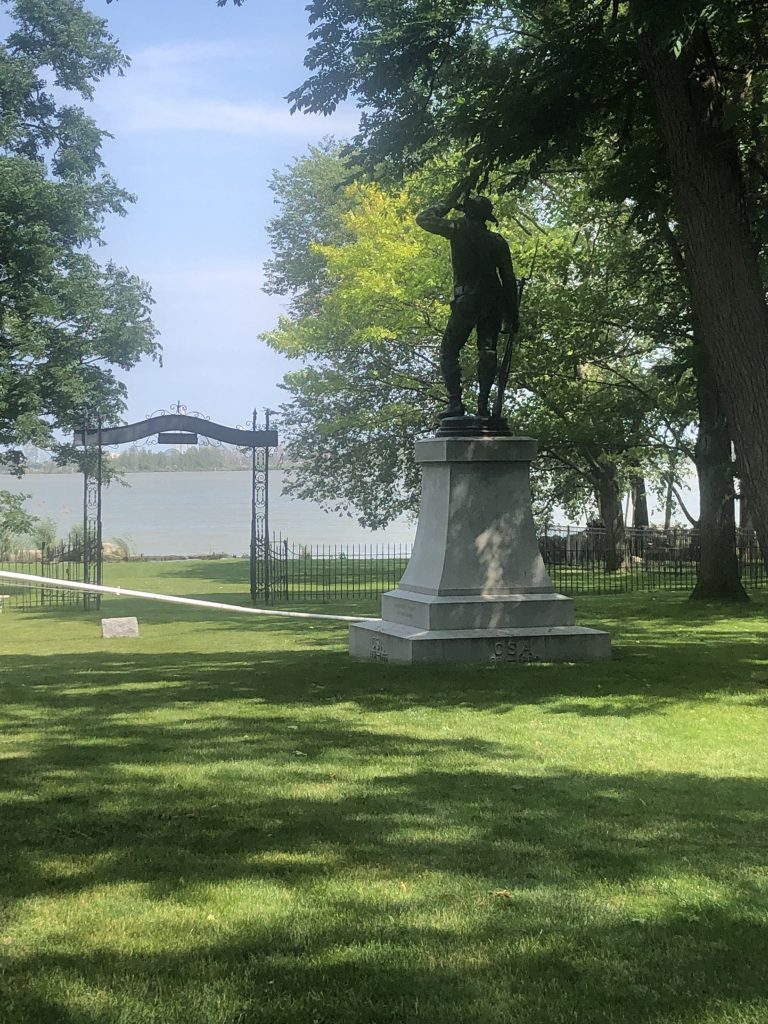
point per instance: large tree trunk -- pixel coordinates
(669, 495)
(727, 293)
(718, 567)
(608, 494)
(640, 516)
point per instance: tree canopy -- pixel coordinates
(672, 96)
(599, 325)
(66, 319)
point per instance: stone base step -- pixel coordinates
(506, 611)
(381, 641)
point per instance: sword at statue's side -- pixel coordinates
(506, 359)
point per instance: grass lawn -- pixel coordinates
(226, 821)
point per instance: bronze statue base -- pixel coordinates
(473, 426)
(497, 426)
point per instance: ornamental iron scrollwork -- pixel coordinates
(180, 409)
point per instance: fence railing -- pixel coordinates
(650, 559)
(576, 559)
(57, 561)
(333, 572)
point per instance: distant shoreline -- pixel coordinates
(73, 470)
(142, 459)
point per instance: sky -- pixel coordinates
(200, 122)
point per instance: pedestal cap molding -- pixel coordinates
(476, 449)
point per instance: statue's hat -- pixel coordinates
(479, 206)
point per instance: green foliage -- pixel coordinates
(600, 314)
(518, 86)
(605, 313)
(65, 318)
(369, 384)
(313, 201)
(43, 535)
(653, 100)
(15, 521)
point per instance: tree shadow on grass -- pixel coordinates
(85, 757)
(413, 889)
(284, 662)
(497, 972)
(381, 875)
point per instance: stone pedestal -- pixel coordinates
(476, 588)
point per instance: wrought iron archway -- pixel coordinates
(177, 428)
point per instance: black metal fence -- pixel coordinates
(58, 561)
(333, 572)
(576, 559)
(651, 559)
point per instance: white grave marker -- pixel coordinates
(128, 626)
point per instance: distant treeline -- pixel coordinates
(177, 460)
(173, 460)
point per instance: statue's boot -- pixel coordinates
(452, 377)
(455, 407)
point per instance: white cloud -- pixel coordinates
(207, 279)
(170, 55)
(225, 298)
(191, 87)
(187, 114)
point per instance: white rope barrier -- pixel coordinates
(92, 588)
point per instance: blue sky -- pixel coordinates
(199, 124)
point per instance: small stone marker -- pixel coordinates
(128, 626)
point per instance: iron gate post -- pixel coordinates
(267, 543)
(261, 548)
(92, 546)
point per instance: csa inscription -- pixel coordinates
(510, 649)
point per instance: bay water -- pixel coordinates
(194, 513)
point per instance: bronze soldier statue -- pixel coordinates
(485, 293)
